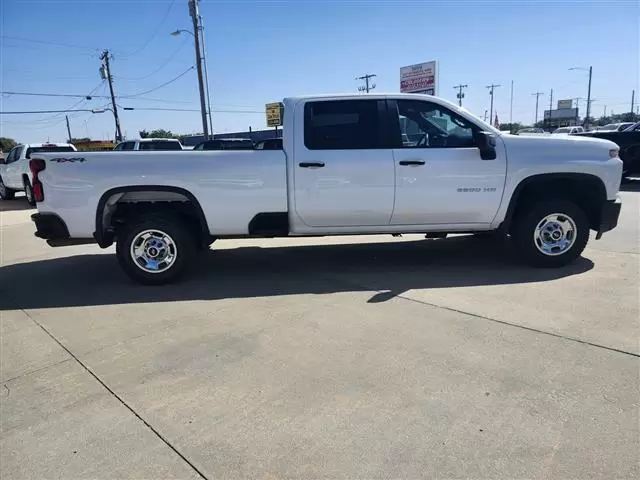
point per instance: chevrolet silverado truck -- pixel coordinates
(343, 169)
(14, 169)
(628, 141)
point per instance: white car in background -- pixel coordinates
(14, 168)
(147, 144)
(567, 130)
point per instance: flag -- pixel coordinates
(496, 123)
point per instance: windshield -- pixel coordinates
(47, 149)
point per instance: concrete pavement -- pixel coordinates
(392, 358)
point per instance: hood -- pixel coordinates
(552, 142)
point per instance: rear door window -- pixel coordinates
(342, 125)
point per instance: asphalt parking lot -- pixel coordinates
(321, 358)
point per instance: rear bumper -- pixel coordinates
(609, 214)
(50, 226)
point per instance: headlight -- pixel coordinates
(613, 153)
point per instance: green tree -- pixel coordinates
(80, 140)
(158, 133)
(7, 144)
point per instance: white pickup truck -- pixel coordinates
(344, 169)
(14, 168)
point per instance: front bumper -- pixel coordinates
(609, 214)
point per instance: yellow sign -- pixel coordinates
(274, 114)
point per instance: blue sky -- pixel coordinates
(260, 51)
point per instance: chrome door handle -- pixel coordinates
(411, 162)
(311, 164)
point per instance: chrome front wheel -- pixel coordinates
(153, 251)
(555, 234)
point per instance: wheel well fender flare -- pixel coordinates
(99, 234)
(549, 177)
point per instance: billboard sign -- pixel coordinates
(420, 78)
(561, 114)
(562, 104)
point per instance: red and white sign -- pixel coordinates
(419, 78)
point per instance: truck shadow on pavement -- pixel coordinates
(19, 203)
(386, 269)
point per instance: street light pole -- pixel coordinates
(590, 70)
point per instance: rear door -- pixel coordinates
(343, 168)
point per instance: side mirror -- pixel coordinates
(486, 142)
(2, 160)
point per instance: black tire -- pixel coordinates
(527, 222)
(184, 247)
(28, 191)
(5, 192)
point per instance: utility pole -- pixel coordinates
(586, 120)
(605, 111)
(106, 73)
(633, 98)
(68, 127)
(511, 105)
(537, 94)
(460, 95)
(195, 17)
(491, 88)
(550, 107)
(485, 115)
(366, 87)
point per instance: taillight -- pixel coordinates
(37, 165)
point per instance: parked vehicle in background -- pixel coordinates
(567, 130)
(269, 144)
(531, 131)
(629, 142)
(14, 168)
(344, 170)
(226, 144)
(157, 144)
(615, 127)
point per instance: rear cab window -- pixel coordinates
(160, 145)
(48, 149)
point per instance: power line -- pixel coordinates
(48, 42)
(164, 64)
(153, 35)
(159, 86)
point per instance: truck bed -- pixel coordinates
(231, 187)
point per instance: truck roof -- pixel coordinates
(360, 96)
(46, 144)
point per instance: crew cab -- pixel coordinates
(156, 144)
(14, 168)
(344, 169)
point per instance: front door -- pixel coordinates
(343, 171)
(440, 177)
